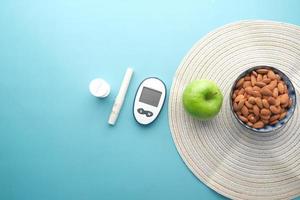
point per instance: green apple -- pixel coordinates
(202, 99)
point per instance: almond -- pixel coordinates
(251, 100)
(258, 124)
(256, 94)
(284, 99)
(265, 112)
(272, 84)
(259, 77)
(274, 117)
(233, 95)
(236, 91)
(240, 83)
(265, 97)
(282, 115)
(249, 124)
(253, 80)
(260, 84)
(262, 71)
(258, 102)
(266, 91)
(235, 106)
(256, 110)
(265, 121)
(244, 119)
(238, 98)
(247, 78)
(275, 109)
(272, 100)
(280, 88)
(242, 91)
(265, 117)
(265, 103)
(254, 73)
(246, 84)
(248, 90)
(249, 105)
(256, 88)
(277, 103)
(245, 111)
(265, 76)
(271, 74)
(251, 118)
(275, 92)
(285, 105)
(267, 81)
(240, 104)
(273, 122)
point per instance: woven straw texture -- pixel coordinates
(229, 159)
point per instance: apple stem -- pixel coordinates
(212, 95)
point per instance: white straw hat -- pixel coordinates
(236, 163)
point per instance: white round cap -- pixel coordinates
(99, 88)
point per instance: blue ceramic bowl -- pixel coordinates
(290, 111)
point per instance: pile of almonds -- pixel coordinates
(261, 98)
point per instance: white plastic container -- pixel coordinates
(99, 88)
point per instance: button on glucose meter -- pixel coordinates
(149, 99)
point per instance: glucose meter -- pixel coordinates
(149, 99)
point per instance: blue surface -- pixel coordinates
(55, 142)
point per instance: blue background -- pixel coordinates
(55, 142)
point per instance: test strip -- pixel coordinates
(120, 97)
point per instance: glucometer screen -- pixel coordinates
(150, 96)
